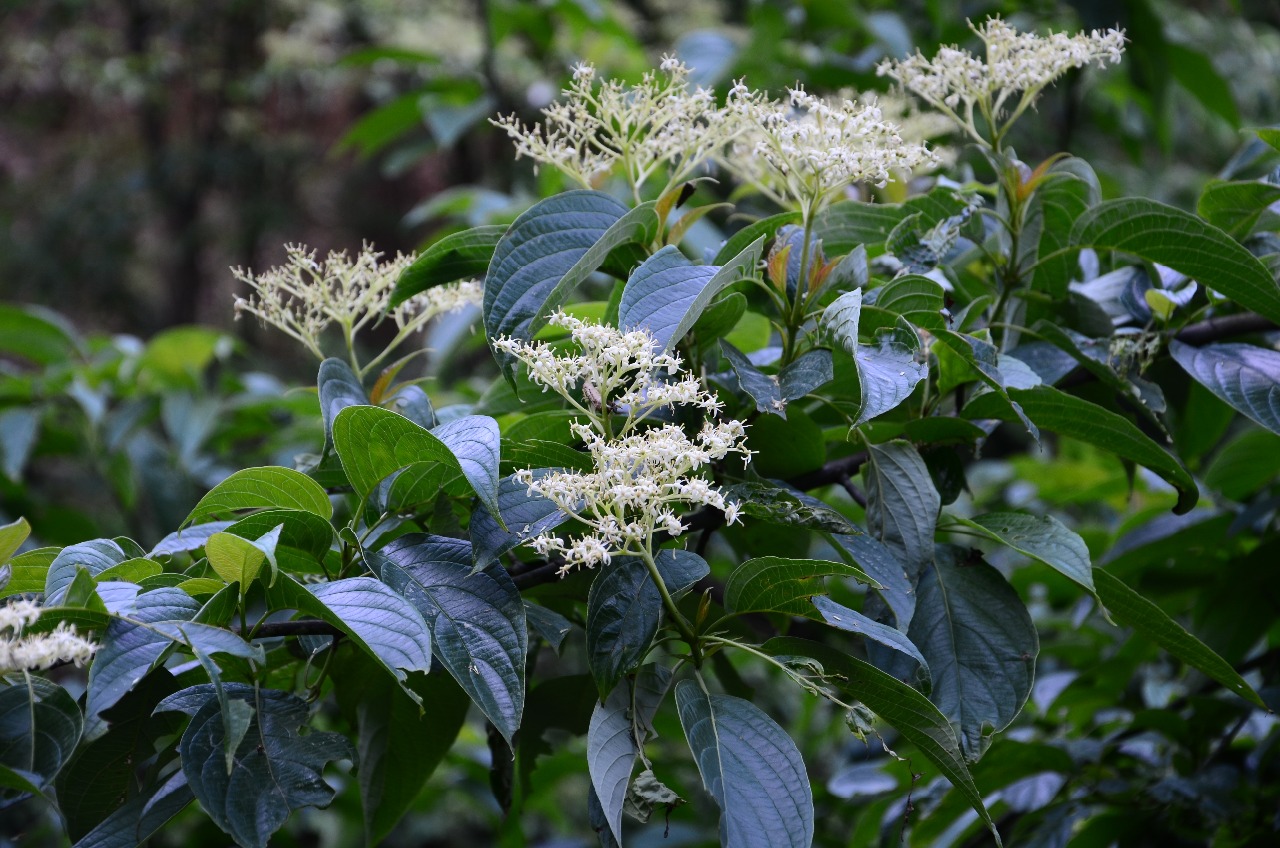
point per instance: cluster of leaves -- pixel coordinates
(891, 359)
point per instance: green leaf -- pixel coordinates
(304, 537)
(1271, 135)
(611, 754)
(667, 293)
(385, 625)
(775, 584)
(1245, 376)
(902, 503)
(772, 393)
(721, 316)
(764, 228)
(477, 619)
(28, 571)
(887, 371)
(781, 505)
(547, 624)
(141, 816)
(1070, 189)
(845, 225)
(136, 639)
(1244, 465)
(457, 256)
(984, 361)
(1195, 72)
(11, 538)
(886, 569)
(398, 744)
(527, 515)
(100, 777)
(1235, 206)
(750, 766)
(852, 621)
(1169, 236)
(1129, 608)
(263, 488)
(339, 387)
(624, 610)
(234, 559)
(917, 299)
(275, 770)
(910, 713)
(980, 644)
(95, 557)
(40, 726)
(1041, 537)
(374, 443)
(34, 334)
(189, 538)
(1071, 416)
(547, 252)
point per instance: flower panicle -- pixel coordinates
(956, 82)
(38, 651)
(641, 479)
(663, 123)
(305, 297)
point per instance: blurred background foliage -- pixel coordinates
(148, 145)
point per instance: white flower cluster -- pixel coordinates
(640, 477)
(305, 297)
(810, 148)
(39, 651)
(622, 368)
(664, 123)
(955, 81)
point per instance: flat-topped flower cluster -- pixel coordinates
(662, 124)
(305, 297)
(39, 650)
(642, 475)
(801, 150)
(955, 82)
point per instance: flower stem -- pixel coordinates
(677, 618)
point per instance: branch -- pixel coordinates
(302, 627)
(1225, 327)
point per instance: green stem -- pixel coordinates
(795, 316)
(677, 618)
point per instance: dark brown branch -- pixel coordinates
(301, 627)
(1225, 327)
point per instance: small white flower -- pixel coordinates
(956, 82)
(804, 152)
(664, 126)
(641, 476)
(37, 651)
(304, 297)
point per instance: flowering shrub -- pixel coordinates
(762, 467)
